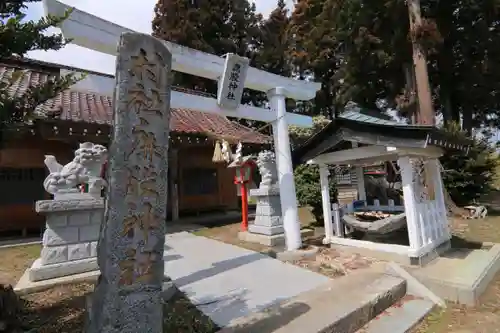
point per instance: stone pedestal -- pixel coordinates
(268, 217)
(267, 229)
(70, 238)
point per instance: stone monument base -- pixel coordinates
(39, 272)
(269, 240)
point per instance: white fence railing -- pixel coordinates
(431, 223)
(432, 226)
(391, 207)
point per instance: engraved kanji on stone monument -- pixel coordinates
(127, 298)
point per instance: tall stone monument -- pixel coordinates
(127, 298)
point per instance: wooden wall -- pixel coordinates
(27, 154)
(200, 158)
(30, 154)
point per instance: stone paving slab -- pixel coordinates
(399, 318)
(341, 306)
(461, 275)
(227, 282)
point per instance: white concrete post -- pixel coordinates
(339, 226)
(327, 207)
(288, 198)
(435, 168)
(360, 176)
(410, 202)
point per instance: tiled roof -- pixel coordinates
(93, 108)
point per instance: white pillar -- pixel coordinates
(360, 177)
(435, 168)
(327, 206)
(410, 202)
(288, 198)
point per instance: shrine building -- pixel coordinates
(84, 113)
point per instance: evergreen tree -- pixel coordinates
(17, 37)
(272, 56)
(214, 26)
(469, 176)
(367, 45)
(314, 51)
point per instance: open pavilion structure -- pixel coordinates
(95, 33)
(357, 140)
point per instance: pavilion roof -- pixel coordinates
(93, 108)
(367, 128)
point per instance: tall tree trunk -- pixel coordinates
(445, 62)
(425, 108)
(410, 84)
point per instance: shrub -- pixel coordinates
(469, 176)
(307, 182)
(308, 189)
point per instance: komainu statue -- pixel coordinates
(85, 168)
(266, 162)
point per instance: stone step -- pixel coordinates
(342, 305)
(401, 317)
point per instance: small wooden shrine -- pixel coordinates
(357, 140)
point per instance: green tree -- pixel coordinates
(17, 37)
(367, 45)
(469, 176)
(274, 42)
(214, 26)
(306, 177)
(314, 51)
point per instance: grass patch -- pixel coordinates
(16, 260)
(180, 315)
(62, 309)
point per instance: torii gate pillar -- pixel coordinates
(288, 197)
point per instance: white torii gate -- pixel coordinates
(95, 33)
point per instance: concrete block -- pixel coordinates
(89, 233)
(97, 216)
(93, 249)
(79, 218)
(400, 318)
(78, 251)
(268, 221)
(56, 220)
(24, 286)
(54, 254)
(414, 286)
(461, 275)
(39, 272)
(60, 236)
(343, 305)
(273, 240)
(266, 230)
